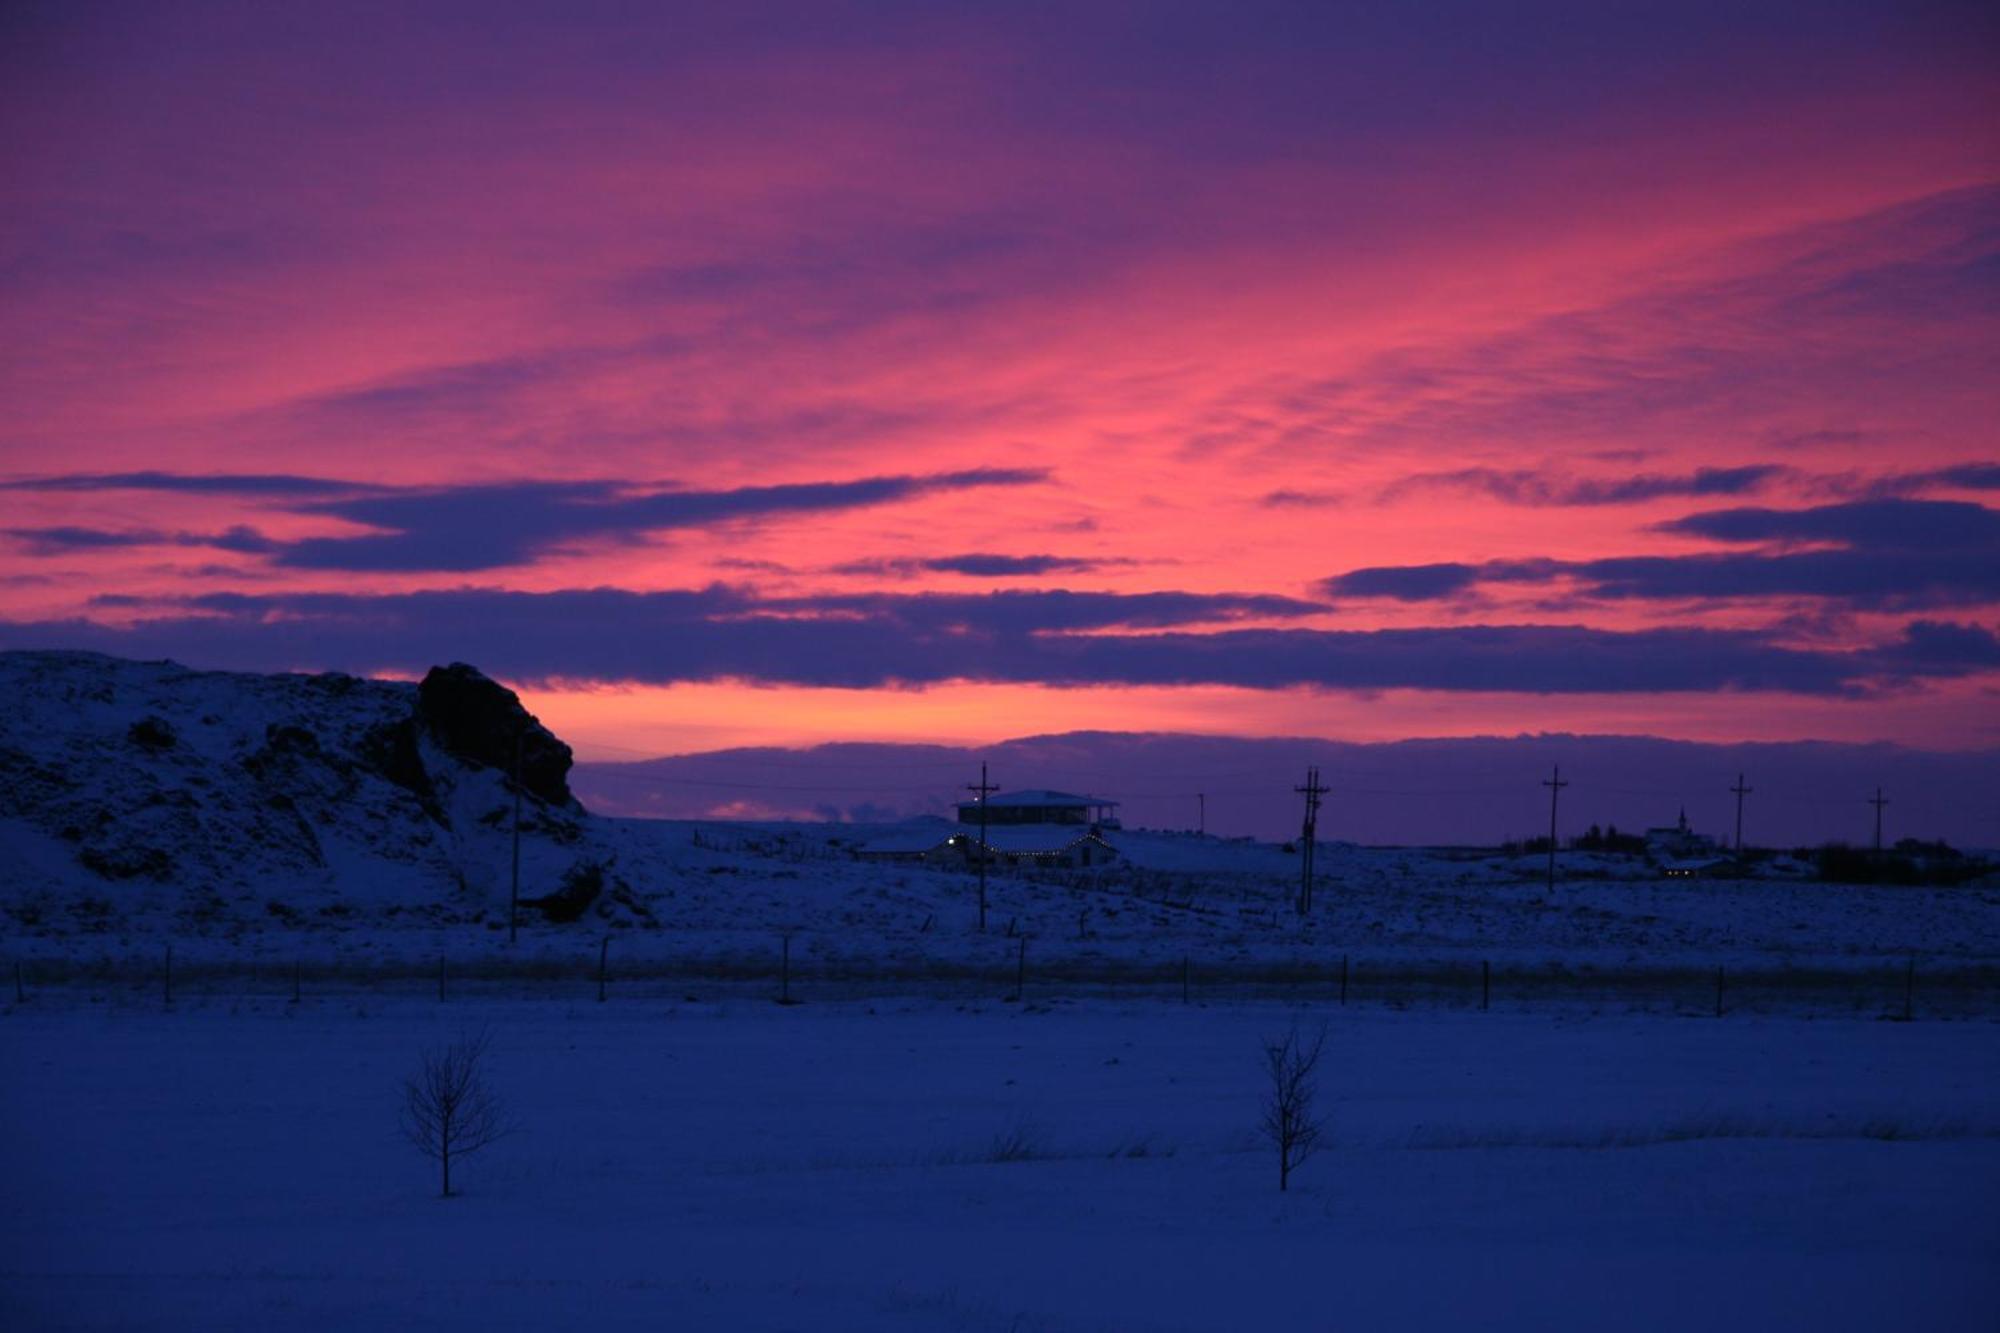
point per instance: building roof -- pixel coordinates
(1039, 797)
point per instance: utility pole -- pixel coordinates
(1202, 804)
(1555, 784)
(1878, 801)
(984, 789)
(1312, 791)
(514, 893)
(1741, 791)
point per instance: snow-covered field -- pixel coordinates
(905, 1149)
(835, 1166)
(719, 890)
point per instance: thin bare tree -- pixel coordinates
(1289, 1121)
(448, 1109)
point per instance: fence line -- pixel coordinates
(1899, 988)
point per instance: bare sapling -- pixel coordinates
(448, 1109)
(1290, 1123)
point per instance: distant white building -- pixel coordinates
(1041, 807)
(1031, 828)
(1678, 842)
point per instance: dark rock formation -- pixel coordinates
(580, 886)
(282, 739)
(233, 790)
(481, 720)
(391, 750)
(152, 733)
(126, 861)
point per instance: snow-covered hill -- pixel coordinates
(211, 795)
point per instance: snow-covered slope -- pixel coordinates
(214, 795)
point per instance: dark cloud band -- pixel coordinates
(1870, 554)
(1046, 638)
(461, 529)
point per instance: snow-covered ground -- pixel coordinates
(846, 1166)
(906, 1150)
(724, 893)
(344, 823)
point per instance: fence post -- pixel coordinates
(1485, 983)
(1343, 978)
(1718, 990)
(1909, 988)
(603, 957)
(785, 970)
(167, 978)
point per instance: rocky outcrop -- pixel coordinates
(392, 750)
(151, 733)
(482, 721)
(309, 795)
(579, 889)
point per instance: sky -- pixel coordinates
(782, 374)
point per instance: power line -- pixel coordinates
(1312, 792)
(1555, 784)
(984, 789)
(1741, 791)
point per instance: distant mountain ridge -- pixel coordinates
(1464, 790)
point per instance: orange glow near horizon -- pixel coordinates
(1254, 314)
(621, 724)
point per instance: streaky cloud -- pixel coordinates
(193, 483)
(1523, 486)
(1287, 498)
(66, 540)
(979, 565)
(1876, 525)
(1405, 583)
(466, 528)
(1872, 554)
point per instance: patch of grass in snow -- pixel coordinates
(1018, 1143)
(1142, 1145)
(1022, 1141)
